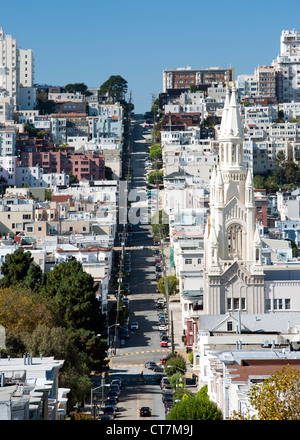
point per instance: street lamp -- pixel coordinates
(108, 335)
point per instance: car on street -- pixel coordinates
(150, 365)
(134, 326)
(110, 410)
(106, 417)
(116, 382)
(163, 361)
(164, 344)
(164, 338)
(145, 411)
(158, 369)
(113, 403)
(162, 327)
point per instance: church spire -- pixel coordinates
(234, 127)
(225, 108)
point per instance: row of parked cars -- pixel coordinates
(112, 400)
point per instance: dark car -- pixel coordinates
(150, 365)
(158, 369)
(115, 387)
(167, 396)
(106, 417)
(110, 410)
(113, 395)
(145, 411)
(112, 402)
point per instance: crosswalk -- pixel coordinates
(143, 352)
(136, 248)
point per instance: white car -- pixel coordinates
(134, 326)
(162, 327)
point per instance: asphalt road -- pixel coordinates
(143, 344)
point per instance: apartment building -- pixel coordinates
(184, 78)
(266, 81)
(287, 66)
(87, 166)
(9, 54)
(15, 213)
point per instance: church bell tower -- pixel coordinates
(233, 272)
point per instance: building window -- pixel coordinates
(287, 303)
(277, 304)
(229, 326)
(236, 303)
(188, 261)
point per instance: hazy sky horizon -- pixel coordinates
(88, 42)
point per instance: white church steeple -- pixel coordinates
(232, 242)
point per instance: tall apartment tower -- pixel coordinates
(287, 65)
(9, 65)
(233, 272)
(26, 67)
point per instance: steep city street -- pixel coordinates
(143, 344)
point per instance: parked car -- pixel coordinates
(167, 399)
(116, 382)
(134, 326)
(162, 327)
(110, 410)
(158, 369)
(106, 417)
(145, 411)
(164, 338)
(163, 361)
(164, 344)
(113, 403)
(150, 365)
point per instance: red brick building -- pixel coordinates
(261, 206)
(88, 166)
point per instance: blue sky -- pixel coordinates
(90, 41)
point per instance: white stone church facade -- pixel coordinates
(234, 276)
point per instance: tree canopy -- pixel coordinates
(19, 268)
(115, 87)
(73, 292)
(286, 174)
(173, 283)
(78, 88)
(276, 398)
(195, 407)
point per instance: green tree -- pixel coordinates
(276, 398)
(155, 152)
(155, 177)
(175, 363)
(271, 184)
(291, 172)
(78, 88)
(259, 182)
(57, 342)
(279, 167)
(73, 293)
(196, 407)
(173, 283)
(44, 105)
(160, 224)
(115, 87)
(15, 267)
